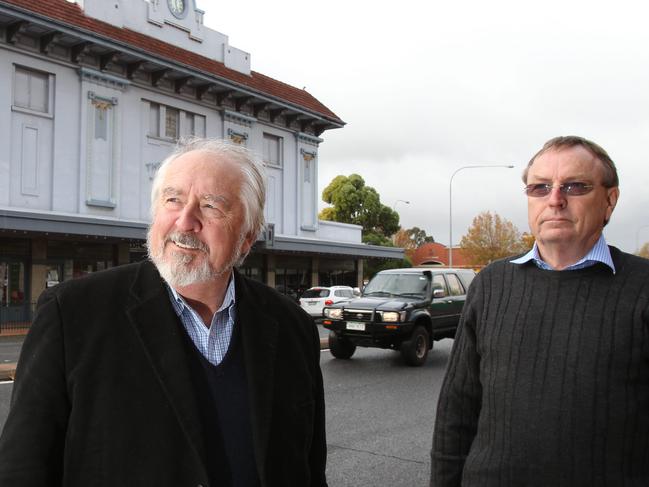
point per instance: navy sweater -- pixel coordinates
(222, 393)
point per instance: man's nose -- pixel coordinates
(556, 197)
(188, 220)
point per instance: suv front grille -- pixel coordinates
(357, 315)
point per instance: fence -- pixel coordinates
(16, 319)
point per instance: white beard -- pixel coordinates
(179, 268)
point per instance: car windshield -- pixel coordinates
(409, 285)
(315, 293)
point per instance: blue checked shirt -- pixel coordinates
(212, 342)
(599, 253)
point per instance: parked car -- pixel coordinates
(313, 300)
(401, 309)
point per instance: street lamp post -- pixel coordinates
(450, 203)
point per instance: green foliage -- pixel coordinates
(353, 202)
(372, 266)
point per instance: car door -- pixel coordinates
(457, 295)
(441, 308)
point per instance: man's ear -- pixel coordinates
(612, 195)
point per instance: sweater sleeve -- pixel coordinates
(459, 402)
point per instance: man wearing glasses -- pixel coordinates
(548, 381)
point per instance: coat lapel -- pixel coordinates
(259, 337)
(156, 324)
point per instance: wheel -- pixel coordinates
(340, 347)
(415, 350)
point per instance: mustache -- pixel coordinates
(186, 240)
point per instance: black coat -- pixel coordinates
(103, 395)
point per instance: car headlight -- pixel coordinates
(333, 313)
(393, 316)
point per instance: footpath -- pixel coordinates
(8, 370)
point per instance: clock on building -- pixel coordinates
(177, 7)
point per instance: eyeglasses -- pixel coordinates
(568, 189)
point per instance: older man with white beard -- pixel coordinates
(178, 370)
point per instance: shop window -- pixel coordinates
(292, 275)
(15, 308)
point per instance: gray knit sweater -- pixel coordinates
(548, 381)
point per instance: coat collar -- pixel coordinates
(155, 322)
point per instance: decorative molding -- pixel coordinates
(307, 155)
(308, 139)
(237, 137)
(103, 79)
(101, 102)
(238, 118)
(152, 168)
(101, 204)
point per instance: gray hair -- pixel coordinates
(611, 179)
(253, 187)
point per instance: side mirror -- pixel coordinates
(438, 293)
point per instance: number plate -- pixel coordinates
(354, 325)
(312, 303)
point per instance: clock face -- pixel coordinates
(177, 7)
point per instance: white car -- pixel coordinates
(316, 298)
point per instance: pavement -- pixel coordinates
(8, 370)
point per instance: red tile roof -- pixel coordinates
(72, 15)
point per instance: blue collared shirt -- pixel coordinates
(599, 253)
(212, 342)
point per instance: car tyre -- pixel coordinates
(415, 350)
(340, 347)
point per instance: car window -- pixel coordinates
(316, 293)
(454, 285)
(341, 293)
(439, 283)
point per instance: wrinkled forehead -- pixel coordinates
(205, 170)
(566, 163)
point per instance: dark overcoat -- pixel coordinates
(103, 395)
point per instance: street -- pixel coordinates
(379, 416)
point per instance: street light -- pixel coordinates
(637, 237)
(450, 203)
(399, 201)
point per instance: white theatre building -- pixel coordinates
(94, 94)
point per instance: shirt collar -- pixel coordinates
(228, 299)
(598, 253)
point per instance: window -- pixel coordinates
(176, 122)
(172, 116)
(454, 285)
(32, 90)
(154, 120)
(439, 283)
(273, 149)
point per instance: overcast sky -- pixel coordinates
(429, 87)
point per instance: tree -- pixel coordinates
(490, 237)
(644, 251)
(411, 238)
(354, 202)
